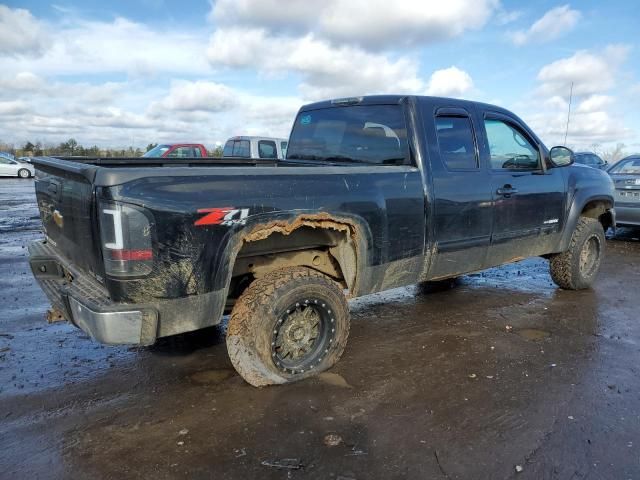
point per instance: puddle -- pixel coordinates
(533, 334)
(212, 377)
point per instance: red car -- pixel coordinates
(178, 150)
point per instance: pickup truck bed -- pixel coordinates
(375, 193)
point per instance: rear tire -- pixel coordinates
(286, 326)
(576, 269)
(24, 173)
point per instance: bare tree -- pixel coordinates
(612, 155)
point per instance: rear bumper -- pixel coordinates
(627, 214)
(84, 302)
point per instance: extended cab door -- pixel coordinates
(528, 198)
(461, 190)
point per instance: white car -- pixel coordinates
(14, 168)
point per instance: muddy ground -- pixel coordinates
(502, 370)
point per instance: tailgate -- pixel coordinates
(64, 191)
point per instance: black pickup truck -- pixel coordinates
(375, 193)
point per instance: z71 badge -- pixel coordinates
(223, 216)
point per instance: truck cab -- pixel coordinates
(255, 147)
(177, 150)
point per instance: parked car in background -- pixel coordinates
(178, 150)
(13, 168)
(590, 159)
(24, 159)
(255, 147)
(626, 178)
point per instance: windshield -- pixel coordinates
(627, 167)
(157, 151)
(351, 134)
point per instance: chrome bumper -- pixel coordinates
(85, 303)
(133, 327)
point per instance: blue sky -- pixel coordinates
(125, 72)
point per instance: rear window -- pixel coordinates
(237, 148)
(351, 134)
(267, 149)
(627, 167)
(455, 140)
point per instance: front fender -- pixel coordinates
(580, 201)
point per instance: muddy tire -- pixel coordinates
(24, 173)
(288, 325)
(577, 268)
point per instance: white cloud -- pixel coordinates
(553, 24)
(596, 115)
(326, 71)
(505, 17)
(20, 33)
(97, 47)
(21, 82)
(590, 72)
(449, 82)
(372, 24)
(198, 96)
(594, 103)
(14, 107)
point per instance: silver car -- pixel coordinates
(626, 177)
(15, 168)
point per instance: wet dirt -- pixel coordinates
(439, 386)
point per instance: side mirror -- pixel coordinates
(561, 156)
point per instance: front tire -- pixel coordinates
(576, 269)
(24, 173)
(288, 325)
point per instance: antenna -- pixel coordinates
(568, 114)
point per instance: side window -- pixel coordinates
(181, 152)
(228, 149)
(196, 153)
(455, 140)
(509, 148)
(267, 149)
(283, 149)
(4, 161)
(241, 148)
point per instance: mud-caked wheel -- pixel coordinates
(577, 268)
(288, 325)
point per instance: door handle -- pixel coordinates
(507, 191)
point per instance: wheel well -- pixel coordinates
(600, 210)
(323, 245)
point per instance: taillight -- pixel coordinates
(126, 240)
